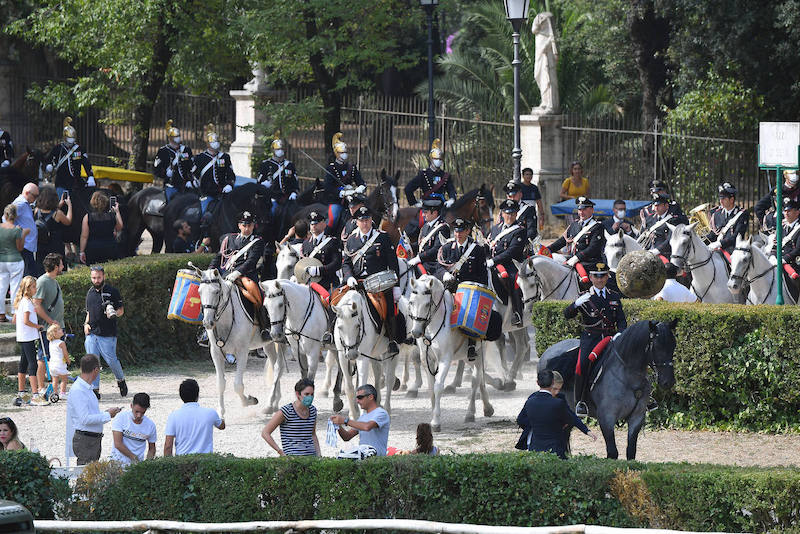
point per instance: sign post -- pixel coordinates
(779, 149)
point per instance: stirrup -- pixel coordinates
(581, 410)
(651, 404)
(327, 338)
(517, 321)
(393, 349)
(265, 334)
(471, 353)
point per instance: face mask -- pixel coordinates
(437, 163)
(279, 153)
(70, 140)
(793, 178)
(620, 214)
(307, 401)
(176, 140)
(343, 156)
(214, 145)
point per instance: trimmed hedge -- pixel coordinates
(736, 367)
(145, 333)
(25, 478)
(524, 489)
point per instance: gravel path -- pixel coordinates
(44, 427)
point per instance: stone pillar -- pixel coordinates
(542, 144)
(247, 116)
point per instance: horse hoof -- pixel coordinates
(251, 401)
(436, 428)
(510, 386)
(450, 389)
(396, 384)
(488, 412)
(337, 405)
(469, 418)
(412, 394)
(403, 387)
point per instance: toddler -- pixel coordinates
(59, 359)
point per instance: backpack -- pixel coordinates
(42, 228)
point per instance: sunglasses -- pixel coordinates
(359, 397)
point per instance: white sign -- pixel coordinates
(777, 144)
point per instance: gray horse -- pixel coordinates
(621, 390)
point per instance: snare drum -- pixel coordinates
(380, 282)
(472, 309)
(185, 303)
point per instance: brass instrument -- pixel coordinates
(702, 216)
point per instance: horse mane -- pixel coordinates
(469, 196)
(634, 337)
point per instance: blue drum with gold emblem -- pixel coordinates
(185, 303)
(472, 309)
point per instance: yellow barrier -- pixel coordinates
(119, 174)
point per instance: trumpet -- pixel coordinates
(702, 216)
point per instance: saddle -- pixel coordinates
(323, 294)
(377, 303)
(155, 206)
(249, 306)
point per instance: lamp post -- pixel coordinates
(517, 14)
(429, 6)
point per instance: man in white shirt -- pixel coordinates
(674, 291)
(83, 413)
(372, 428)
(190, 428)
(134, 432)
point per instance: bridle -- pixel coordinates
(282, 321)
(476, 212)
(690, 249)
(387, 203)
(619, 246)
(428, 339)
(744, 281)
(219, 307)
(527, 274)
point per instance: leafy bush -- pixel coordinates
(735, 366)
(25, 478)
(145, 333)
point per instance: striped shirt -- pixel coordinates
(297, 433)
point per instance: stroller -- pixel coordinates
(50, 393)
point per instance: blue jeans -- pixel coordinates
(170, 191)
(107, 348)
(31, 267)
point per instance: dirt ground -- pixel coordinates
(44, 427)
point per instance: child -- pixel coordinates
(59, 359)
(27, 334)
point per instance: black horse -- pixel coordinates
(144, 213)
(622, 388)
(24, 169)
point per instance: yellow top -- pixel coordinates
(573, 191)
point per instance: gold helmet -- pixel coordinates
(172, 131)
(277, 142)
(211, 133)
(69, 130)
(436, 149)
(339, 146)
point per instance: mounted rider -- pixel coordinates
(213, 172)
(354, 202)
(66, 160)
(432, 180)
(341, 179)
(790, 248)
(602, 316)
(765, 207)
(279, 176)
(728, 220)
(6, 149)
(433, 233)
(584, 238)
(659, 186)
(369, 251)
(526, 216)
(237, 261)
(506, 244)
(463, 260)
(327, 250)
(173, 163)
(655, 233)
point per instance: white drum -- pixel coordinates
(380, 282)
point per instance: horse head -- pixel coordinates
(682, 244)
(741, 261)
(211, 296)
(288, 256)
(617, 245)
(529, 283)
(387, 189)
(425, 300)
(662, 348)
(484, 204)
(349, 330)
(275, 303)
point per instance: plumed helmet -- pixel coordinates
(211, 133)
(69, 130)
(436, 149)
(172, 131)
(277, 142)
(339, 147)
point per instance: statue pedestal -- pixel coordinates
(542, 142)
(247, 116)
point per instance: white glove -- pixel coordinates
(49, 167)
(5, 163)
(90, 182)
(267, 183)
(716, 245)
(343, 193)
(773, 260)
(449, 202)
(489, 263)
(293, 196)
(189, 184)
(418, 204)
(414, 261)
(352, 282)
(583, 299)
(361, 188)
(227, 189)
(234, 276)
(572, 261)
(313, 270)
(654, 251)
(448, 278)
(169, 173)
(396, 293)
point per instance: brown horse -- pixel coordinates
(22, 170)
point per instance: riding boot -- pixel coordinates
(516, 304)
(581, 410)
(263, 320)
(390, 333)
(327, 337)
(471, 352)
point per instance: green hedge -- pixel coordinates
(524, 489)
(145, 333)
(736, 367)
(25, 478)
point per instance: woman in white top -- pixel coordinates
(673, 291)
(27, 334)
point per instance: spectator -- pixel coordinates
(425, 441)
(103, 308)
(9, 436)
(182, 245)
(372, 428)
(12, 239)
(298, 423)
(25, 220)
(98, 228)
(134, 432)
(58, 359)
(84, 419)
(619, 220)
(27, 334)
(531, 195)
(674, 291)
(574, 186)
(190, 428)
(49, 304)
(51, 222)
(297, 233)
(546, 417)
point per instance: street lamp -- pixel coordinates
(517, 14)
(429, 6)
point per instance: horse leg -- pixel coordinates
(313, 351)
(607, 422)
(521, 350)
(470, 417)
(456, 383)
(480, 370)
(330, 368)
(404, 377)
(635, 423)
(389, 367)
(219, 366)
(238, 382)
(413, 358)
(377, 374)
(491, 353)
(337, 386)
(438, 389)
(344, 363)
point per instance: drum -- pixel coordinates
(380, 282)
(185, 303)
(472, 309)
(300, 270)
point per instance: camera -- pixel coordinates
(110, 310)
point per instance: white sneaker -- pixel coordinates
(38, 400)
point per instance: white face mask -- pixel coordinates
(437, 163)
(176, 140)
(279, 153)
(214, 145)
(70, 140)
(793, 178)
(343, 156)
(620, 214)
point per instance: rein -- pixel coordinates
(743, 278)
(219, 311)
(306, 317)
(428, 340)
(362, 333)
(692, 266)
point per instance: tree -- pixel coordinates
(126, 50)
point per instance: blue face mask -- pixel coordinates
(308, 400)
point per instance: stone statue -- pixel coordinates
(259, 82)
(544, 69)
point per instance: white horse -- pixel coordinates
(709, 272)
(359, 341)
(617, 245)
(751, 267)
(542, 278)
(288, 256)
(231, 331)
(429, 309)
